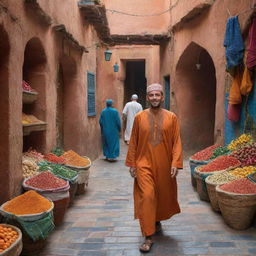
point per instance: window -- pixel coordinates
(91, 94)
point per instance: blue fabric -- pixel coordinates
(110, 127)
(234, 43)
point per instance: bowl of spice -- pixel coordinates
(75, 161)
(29, 206)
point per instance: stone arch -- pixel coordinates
(196, 97)
(67, 105)
(34, 72)
(4, 114)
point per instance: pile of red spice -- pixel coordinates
(55, 159)
(241, 186)
(220, 163)
(205, 154)
(46, 181)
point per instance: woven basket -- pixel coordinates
(212, 195)
(81, 189)
(194, 164)
(16, 247)
(72, 192)
(59, 210)
(238, 210)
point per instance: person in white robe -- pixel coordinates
(130, 110)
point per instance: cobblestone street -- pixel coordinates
(100, 223)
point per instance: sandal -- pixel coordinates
(146, 246)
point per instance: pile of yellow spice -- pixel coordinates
(74, 159)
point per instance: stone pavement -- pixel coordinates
(100, 223)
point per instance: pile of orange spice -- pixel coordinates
(28, 203)
(7, 237)
(72, 158)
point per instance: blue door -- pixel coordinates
(167, 92)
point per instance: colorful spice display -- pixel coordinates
(220, 151)
(30, 119)
(7, 237)
(58, 151)
(73, 159)
(221, 178)
(59, 170)
(26, 87)
(55, 159)
(246, 155)
(29, 167)
(220, 163)
(46, 181)
(28, 203)
(205, 154)
(241, 186)
(243, 172)
(240, 142)
(33, 154)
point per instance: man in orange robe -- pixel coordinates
(154, 157)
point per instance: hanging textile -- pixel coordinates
(246, 84)
(251, 48)
(234, 43)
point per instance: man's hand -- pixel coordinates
(133, 172)
(174, 171)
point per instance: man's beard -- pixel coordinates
(155, 106)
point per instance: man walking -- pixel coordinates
(110, 128)
(130, 110)
(154, 157)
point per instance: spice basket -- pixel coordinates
(15, 248)
(24, 217)
(79, 168)
(193, 164)
(60, 207)
(238, 210)
(72, 192)
(211, 189)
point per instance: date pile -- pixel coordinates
(246, 155)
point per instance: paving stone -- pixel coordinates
(101, 222)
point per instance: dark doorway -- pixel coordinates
(196, 97)
(167, 92)
(135, 81)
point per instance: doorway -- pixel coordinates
(167, 92)
(196, 97)
(135, 81)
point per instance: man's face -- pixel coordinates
(155, 98)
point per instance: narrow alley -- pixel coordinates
(100, 223)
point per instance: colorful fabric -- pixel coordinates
(153, 150)
(234, 43)
(235, 94)
(246, 84)
(110, 128)
(251, 48)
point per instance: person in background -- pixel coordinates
(110, 124)
(130, 110)
(154, 157)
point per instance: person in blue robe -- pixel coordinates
(110, 124)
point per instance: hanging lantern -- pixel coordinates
(108, 54)
(116, 67)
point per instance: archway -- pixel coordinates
(67, 104)
(34, 72)
(4, 115)
(196, 97)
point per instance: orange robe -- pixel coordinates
(155, 146)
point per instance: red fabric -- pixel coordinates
(234, 112)
(251, 55)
